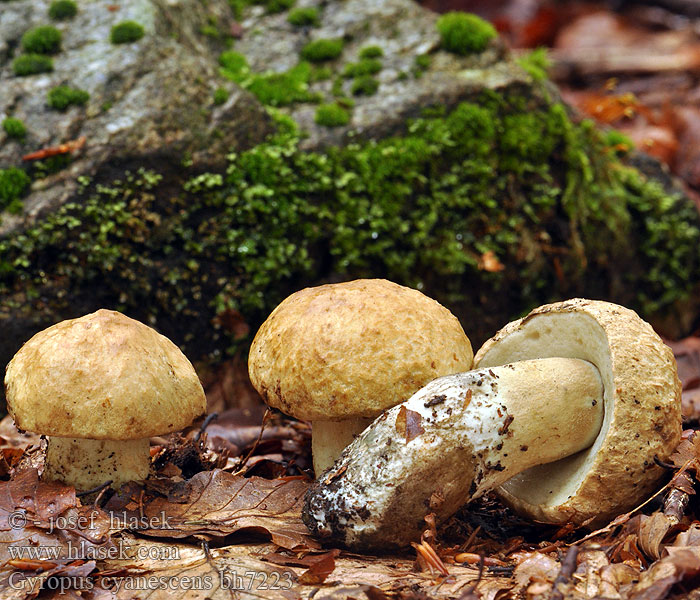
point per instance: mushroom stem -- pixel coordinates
(458, 437)
(330, 438)
(85, 463)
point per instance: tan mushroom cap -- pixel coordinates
(353, 349)
(642, 409)
(102, 376)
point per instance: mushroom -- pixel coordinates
(99, 386)
(566, 411)
(339, 354)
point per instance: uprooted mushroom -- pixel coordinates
(339, 354)
(564, 415)
(99, 386)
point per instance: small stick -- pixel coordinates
(99, 488)
(568, 566)
(205, 424)
(469, 593)
(265, 419)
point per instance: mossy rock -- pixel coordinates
(471, 182)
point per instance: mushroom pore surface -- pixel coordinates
(642, 409)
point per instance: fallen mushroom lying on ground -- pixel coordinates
(99, 386)
(566, 411)
(339, 354)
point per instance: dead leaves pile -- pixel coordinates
(221, 518)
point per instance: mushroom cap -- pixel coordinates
(642, 409)
(353, 349)
(102, 376)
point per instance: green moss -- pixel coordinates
(13, 184)
(282, 89)
(220, 96)
(61, 97)
(45, 39)
(278, 6)
(234, 65)
(618, 142)
(304, 17)
(322, 50)
(31, 64)
(60, 10)
(536, 63)
(14, 128)
(464, 33)
(364, 86)
(332, 115)
(126, 32)
(320, 73)
(273, 89)
(371, 52)
(420, 208)
(367, 66)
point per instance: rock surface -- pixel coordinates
(151, 101)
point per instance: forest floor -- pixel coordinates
(231, 493)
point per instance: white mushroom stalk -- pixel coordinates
(86, 464)
(454, 439)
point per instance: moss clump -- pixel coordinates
(13, 184)
(14, 128)
(273, 89)
(366, 66)
(364, 86)
(464, 33)
(220, 96)
(62, 96)
(304, 17)
(45, 39)
(282, 89)
(322, 50)
(536, 63)
(126, 32)
(371, 52)
(60, 10)
(278, 6)
(234, 65)
(332, 115)
(32, 64)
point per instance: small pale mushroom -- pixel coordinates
(339, 354)
(99, 386)
(566, 411)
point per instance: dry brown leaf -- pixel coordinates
(408, 424)
(319, 568)
(216, 504)
(652, 530)
(489, 262)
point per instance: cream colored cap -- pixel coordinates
(353, 349)
(642, 419)
(102, 376)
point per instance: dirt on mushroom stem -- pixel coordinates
(460, 435)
